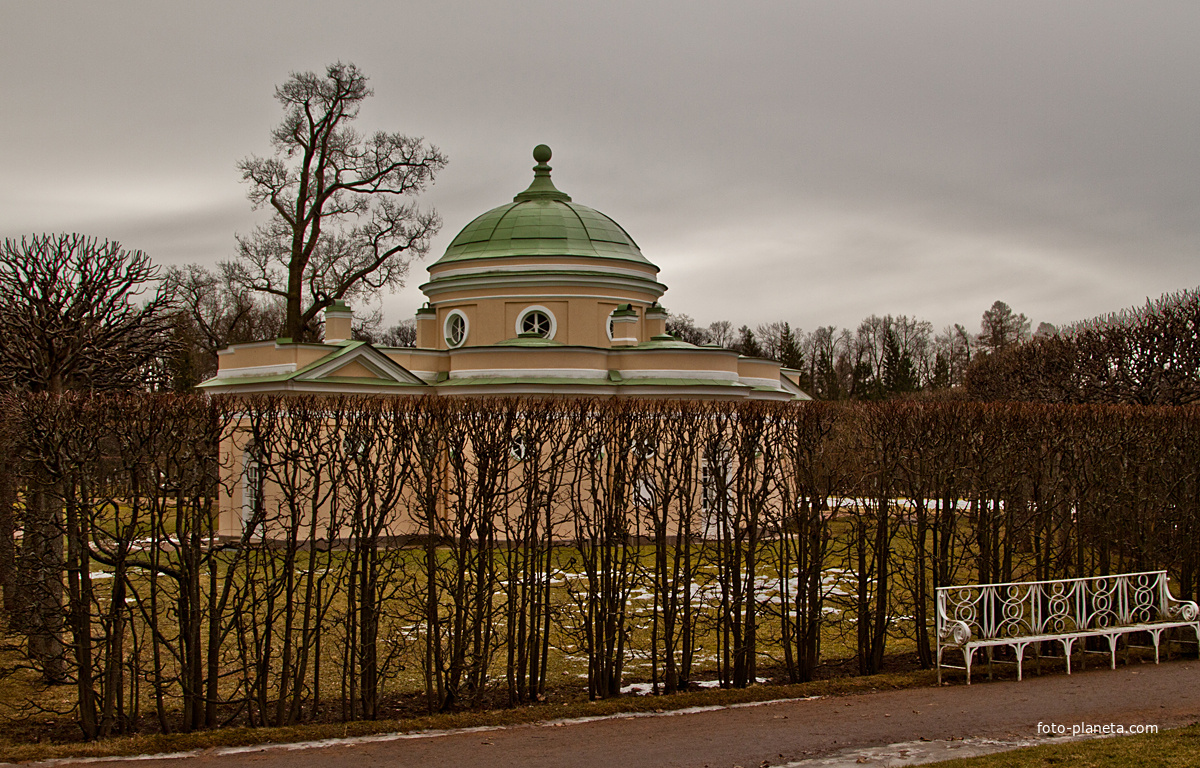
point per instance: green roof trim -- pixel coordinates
(528, 340)
(665, 341)
(608, 381)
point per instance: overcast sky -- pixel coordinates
(814, 162)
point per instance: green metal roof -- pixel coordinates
(542, 221)
(529, 340)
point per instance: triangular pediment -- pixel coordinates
(361, 361)
(354, 370)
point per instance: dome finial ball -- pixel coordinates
(541, 153)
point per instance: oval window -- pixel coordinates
(456, 328)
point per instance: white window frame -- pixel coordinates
(537, 308)
(712, 488)
(446, 328)
(252, 483)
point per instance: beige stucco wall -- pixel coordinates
(543, 361)
(406, 518)
(580, 320)
(690, 360)
(354, 369)
(752, 367)
(270, 353)
(419, 361)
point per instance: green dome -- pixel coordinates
(542, 221)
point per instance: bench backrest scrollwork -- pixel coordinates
(1059, 606)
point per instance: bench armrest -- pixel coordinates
(957, 632)
(1184, 609)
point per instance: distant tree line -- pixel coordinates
(884, 357)
(1147, 355)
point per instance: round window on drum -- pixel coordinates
(456, 328)
(537, 320)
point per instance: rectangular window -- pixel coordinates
(252, 490)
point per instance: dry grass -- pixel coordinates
(1178, 748)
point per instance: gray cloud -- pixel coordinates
(814, 162)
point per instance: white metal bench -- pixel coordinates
(1064, 610)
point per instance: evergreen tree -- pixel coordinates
(790, 354)
(747, 344)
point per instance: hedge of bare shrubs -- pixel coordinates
(468, 546)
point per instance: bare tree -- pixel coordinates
(770, 336)
(952, 354)
(402, 334)
(870, 343)
(215, 311)
(682, 327)
(71, 316)
(721, 334)
(343, 224)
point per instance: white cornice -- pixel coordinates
(506, 270)
(532, 373)
(754, 381)
(255, 370)
(273, 344)
(674, 391)
(475, 282)
(675, 373)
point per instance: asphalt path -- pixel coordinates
(776, 733)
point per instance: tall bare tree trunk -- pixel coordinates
(42, 566)
(8, 549)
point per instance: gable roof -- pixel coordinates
(344, 365)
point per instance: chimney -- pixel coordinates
(656, 323)
(427, 330)
(338, 320)
(624, 326)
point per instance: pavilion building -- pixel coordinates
(541, 296)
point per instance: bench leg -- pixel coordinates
(1155, 636)
(1112, 649)
(1020, 649)
(968, 654)
(939, 663)
(1067, 642)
